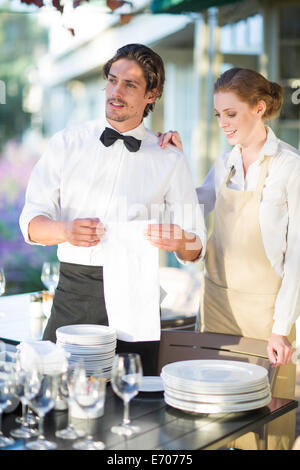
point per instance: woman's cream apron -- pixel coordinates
(240, 289)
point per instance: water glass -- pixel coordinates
(27, 385)
(2, 281)
(67, 391)
(126, 379)
(50, 275)
(11, 358)
(2, 285)
(42, 403)
(6, 396)
(89, 393)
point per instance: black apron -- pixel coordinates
(79, 299)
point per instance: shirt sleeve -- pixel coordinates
(208, 191)
(43, 191)
(287, 306)
(182, 205)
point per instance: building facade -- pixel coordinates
(196, 47)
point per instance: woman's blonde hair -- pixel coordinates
(251, 87)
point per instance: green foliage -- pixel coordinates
(22, 41)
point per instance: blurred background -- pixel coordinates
(51, 57)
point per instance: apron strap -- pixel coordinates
(261, 179)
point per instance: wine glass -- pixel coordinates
(50, 275)
(126, 378)
(6, 395)
(41, 403)
(2, 285)
(89, 393)
(13, 358)
(27, 384)
(2, 281)
(67, 392)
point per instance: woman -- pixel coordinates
(252, 262)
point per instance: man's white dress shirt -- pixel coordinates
(78, 177)
(279, 215)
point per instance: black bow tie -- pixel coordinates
(109, 136)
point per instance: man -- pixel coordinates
(84, 176)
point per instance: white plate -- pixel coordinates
(223, 399)
(215, 374)
(151, 384)
(221, 389)
(85, 334)
(89, 349)
(208, 408)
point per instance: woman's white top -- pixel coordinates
(279, 215)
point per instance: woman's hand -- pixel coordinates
(170, 137)
(280, 350)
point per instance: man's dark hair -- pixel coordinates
(151, 64)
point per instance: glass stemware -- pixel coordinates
(31, 419)
(2, 286)
(126, 378)
(2, 281)
(13, 358)
(50, 275)
(66, 390)
(6, 395)
(41, 403)
(89, 393)
(26, 386)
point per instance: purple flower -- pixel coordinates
(22, 262)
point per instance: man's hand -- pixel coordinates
(84, 232)
(79, 232)
(171, 237)
(280, 350)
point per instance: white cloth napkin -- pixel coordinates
(49, 358)
(131, 282)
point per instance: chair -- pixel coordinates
(187, 345)
(180, 306)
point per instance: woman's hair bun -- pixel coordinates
(252, 87)
(273, 107)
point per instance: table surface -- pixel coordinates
(16, 322)
(162, 427)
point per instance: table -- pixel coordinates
(162, 427)
(16, 322)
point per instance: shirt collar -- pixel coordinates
(138, 132)
(270, 148)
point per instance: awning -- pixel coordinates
(184, 6)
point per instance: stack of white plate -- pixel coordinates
(94, 344)
(213, 386)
